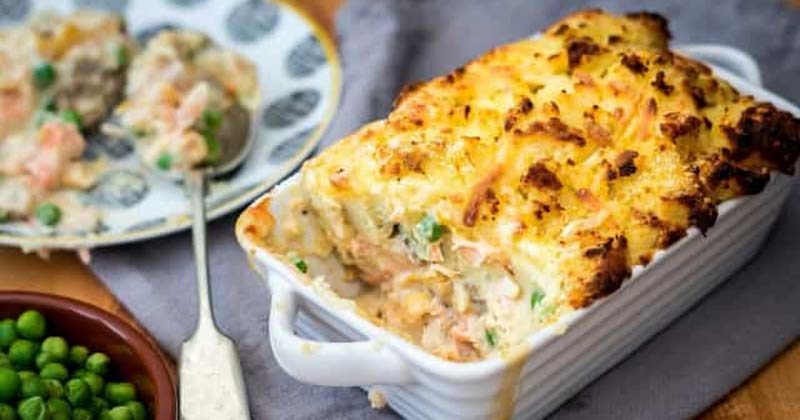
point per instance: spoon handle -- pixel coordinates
(197, 185)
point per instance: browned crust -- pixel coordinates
(634, 63)
(626, 166)
(724, 175)
(656, 21)
(540, 177)
(612, 268)
(481, 192)
(255, 224)
(768, 134)
(555, 128)
(661, 84)
(677, 125)
(524, 107)
(578, 48)
(405, 92)
(702, 210)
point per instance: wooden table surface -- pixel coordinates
(772, 393)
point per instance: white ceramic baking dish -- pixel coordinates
(320, 341)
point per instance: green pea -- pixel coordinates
(33, 408)
(10, 383)
(48, 214)
(71, 116)
(78, 355)
(7, 412)
(98, 405)
(59, 409)
(120, 413)
(98, 363)
(43, 359)
(137, 409)
(95, 381)
(78, 393)
(22, 353)
(31, 324)
(164, 161)
(119, 393)
(44, 75)
(56, 347)
(55, 371)
(4, 362)
(429, 229)
(54, 388)
(82, 414)
(33, 387)
(8, 333)
(25, 375)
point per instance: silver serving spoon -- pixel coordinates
(211, 384)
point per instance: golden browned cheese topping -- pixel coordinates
(593, 137)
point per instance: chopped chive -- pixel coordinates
(536, 298)
(491, 337)
(4, 216)
(164, 161)
(48, 214)
(44, 75)
(71, 116)
(121, 54)
(301, 265)
(429, 229)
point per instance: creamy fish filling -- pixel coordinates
(61, 75)
(183, 93)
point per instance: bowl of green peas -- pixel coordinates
(61, 359)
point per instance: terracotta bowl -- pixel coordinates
(135, 357)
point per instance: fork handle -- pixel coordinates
(196, 184)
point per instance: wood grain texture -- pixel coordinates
(771, 394)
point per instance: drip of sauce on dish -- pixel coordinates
(506, 397)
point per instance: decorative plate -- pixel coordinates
(299, 79)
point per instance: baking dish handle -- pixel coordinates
(732, 59)
(326, 363)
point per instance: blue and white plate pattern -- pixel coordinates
(299, 79)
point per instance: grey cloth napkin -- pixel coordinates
(387, 43)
